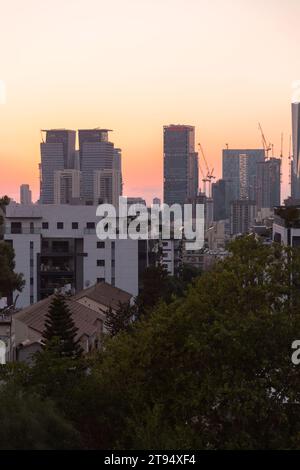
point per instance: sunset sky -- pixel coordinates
(135, 65)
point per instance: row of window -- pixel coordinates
(75, 225)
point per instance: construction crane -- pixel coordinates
(204, 179)
(209, 176)
(267, 146)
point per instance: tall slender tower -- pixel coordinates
(295, 168)
(96, 153)
(180, 164)
(57, 153)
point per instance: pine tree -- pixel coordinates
(60, 330)
(119, 320)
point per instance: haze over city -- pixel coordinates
(135, 66)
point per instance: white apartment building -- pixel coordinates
(57, 245)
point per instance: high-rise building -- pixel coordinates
(117, 164)
(219, 199)
(156, 201)
(57, 153)
(180, 164)
(242, 214)
(25, 194)
(239, 171)
(268, 183)
(295, 168)
(107, 186)
(66, 186)
(96, 153)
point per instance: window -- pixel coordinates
(100, 262)
(16, 227)
(74, 225)
(100, 244)
(31, 281)
(31, 299)
(90, 225)
(31, 245)
(31, 263)
(100, 279)
(45, 225)
(112, 263)
(60, 225)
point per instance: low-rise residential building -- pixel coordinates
(88, 309)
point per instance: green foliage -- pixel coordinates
(120, 319)
(28, 422)
(9, 280)
(210, 370)
(60, 330)
(158, 286)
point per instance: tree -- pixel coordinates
(211, 370)
(60, 330)
(156, 285)
(4, 201)
(28, 422)
(120, 319)
(9, 280)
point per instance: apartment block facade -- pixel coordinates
(57, 246)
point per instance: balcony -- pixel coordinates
(22, 231)
(5, 319)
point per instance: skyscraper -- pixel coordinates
(66, 186)
(219, 199)
(295, 169)
(242, 214)
(239, 171)
(268, 183)
(180, 164)
(57, 153)
(107, 186)
(96, 153)
(25, 194)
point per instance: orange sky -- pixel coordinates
(135, 65)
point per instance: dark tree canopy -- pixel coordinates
(9, 280)
(60, 330)
(120, 319)
(209, 370)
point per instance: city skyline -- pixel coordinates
(94, 72)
